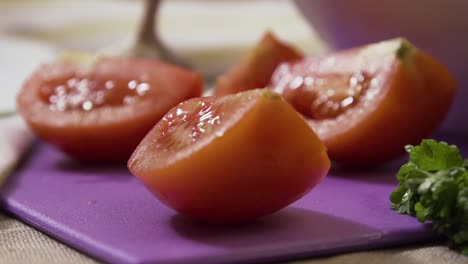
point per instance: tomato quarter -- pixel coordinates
(232, 158)
(367, 103)
(255, 69)
(99, 109)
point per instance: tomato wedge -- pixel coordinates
(99, 108)
(367, 103)
(255, 69)
(232, 158)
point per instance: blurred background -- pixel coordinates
(212, 35)
(216, 31)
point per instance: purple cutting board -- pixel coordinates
(108, 214)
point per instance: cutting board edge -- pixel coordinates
(299, 250)
(72, 239)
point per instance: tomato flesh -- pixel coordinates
(187, 125)
(326, 95)
(91, 92)
(100, 111)
(230, 159)
(367, 103)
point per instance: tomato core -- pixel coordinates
(91, 92)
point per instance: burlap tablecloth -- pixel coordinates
(80, 25)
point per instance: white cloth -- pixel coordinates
(19, 57)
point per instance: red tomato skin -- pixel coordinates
(108, 133)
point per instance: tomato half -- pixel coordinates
(232, 158)
(255, 69)
(367, 103)
(99, 110)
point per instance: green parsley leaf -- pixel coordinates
(433, 186)
(432, 155)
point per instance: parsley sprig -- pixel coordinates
(434, 187)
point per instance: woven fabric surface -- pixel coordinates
(20, 243)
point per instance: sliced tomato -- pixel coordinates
(367, 103)
(232, 158)
(255, 69)
(100, 109)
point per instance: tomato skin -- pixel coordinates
(108, 133)
(255, 69)
(412, 99)
(264, 160)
